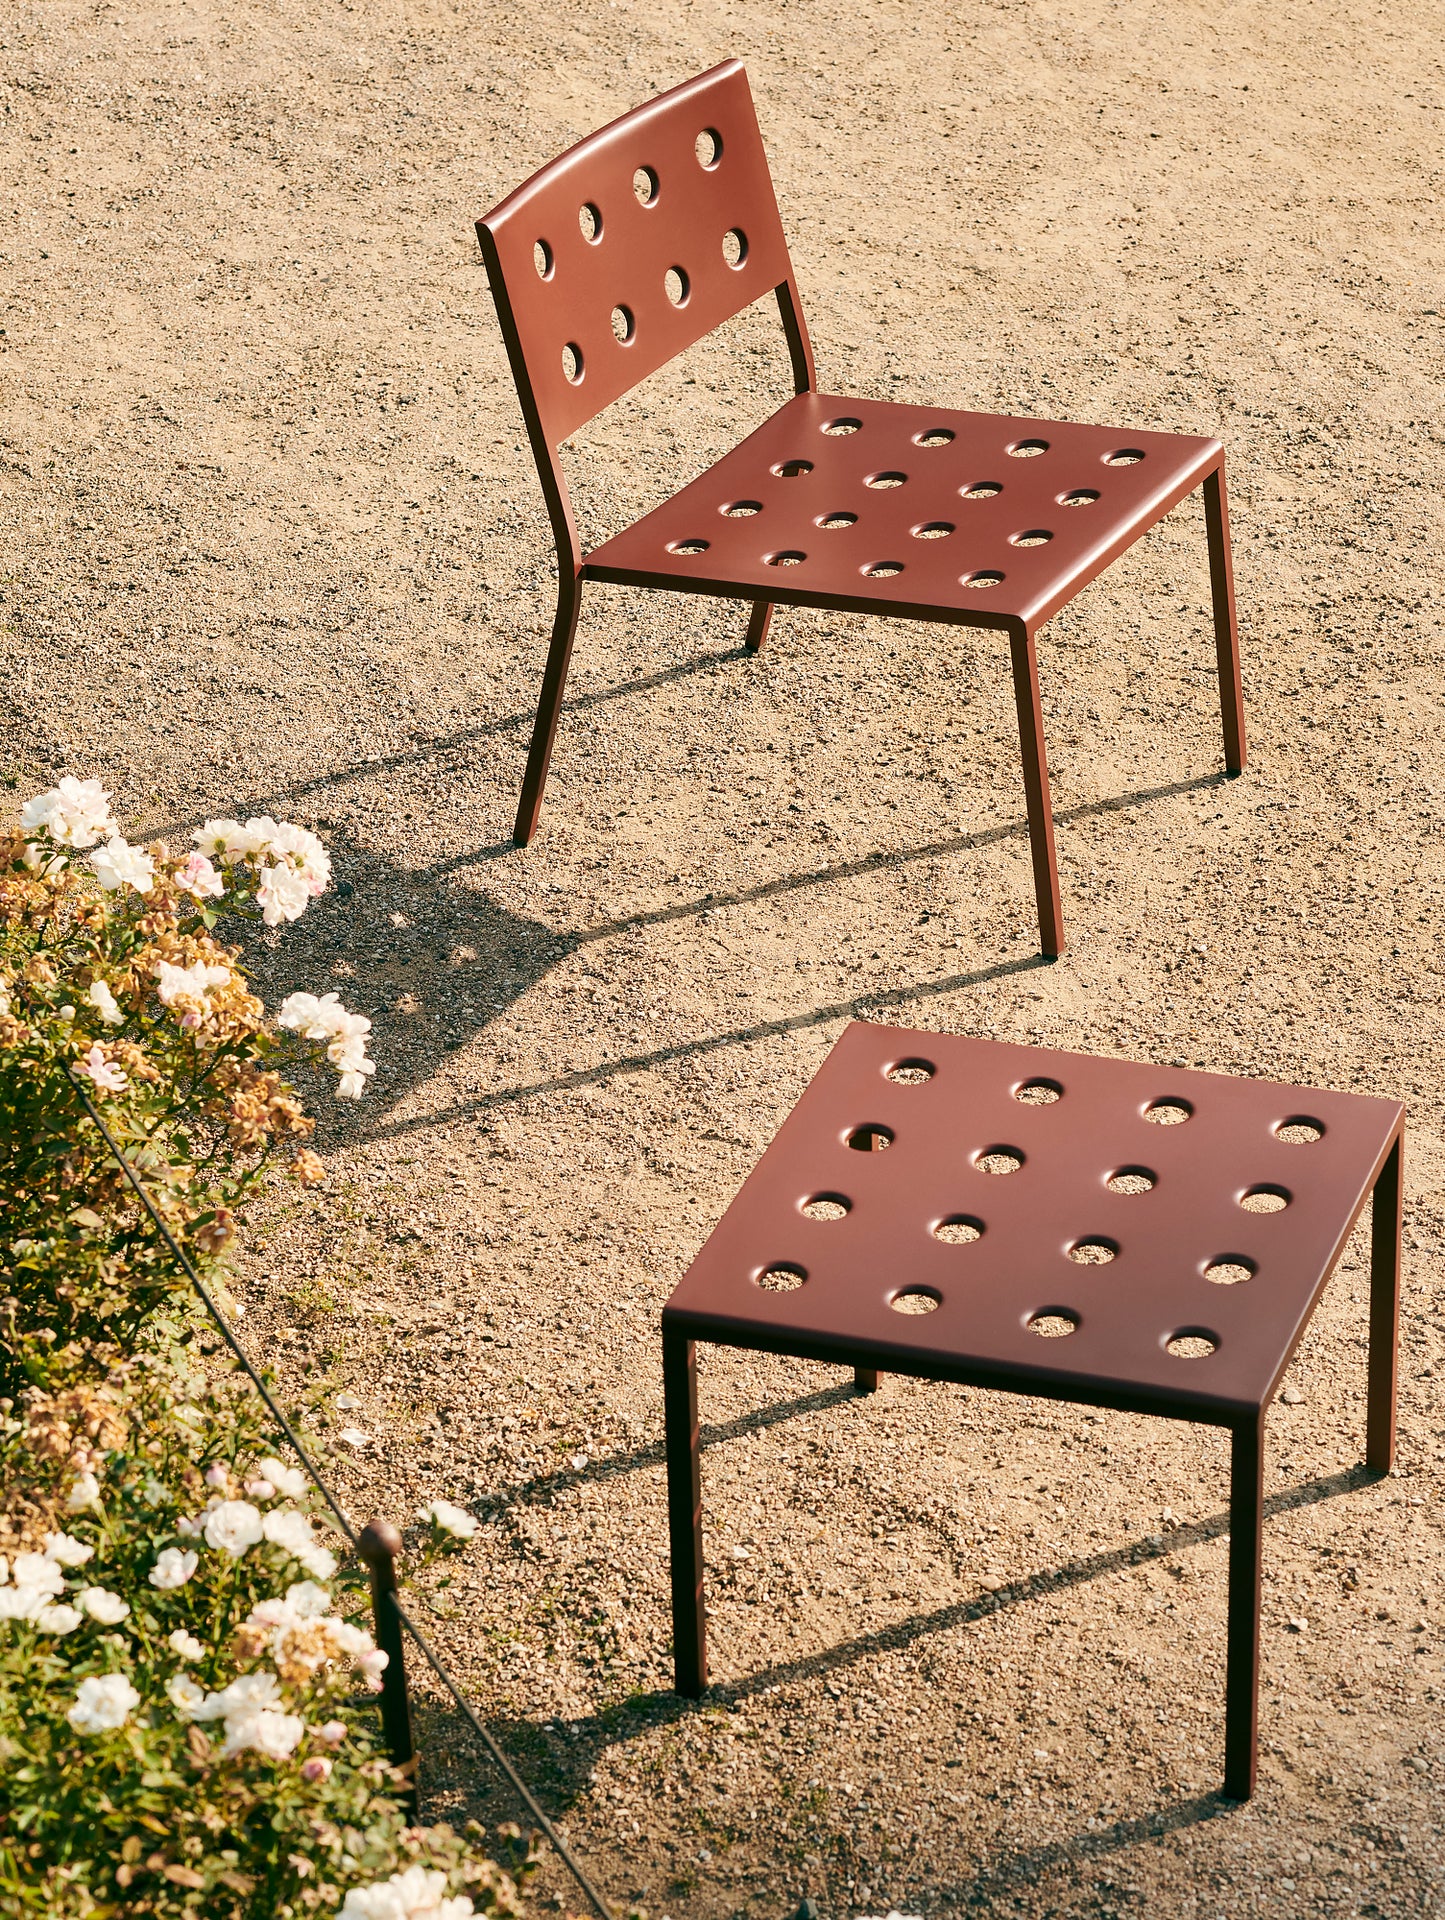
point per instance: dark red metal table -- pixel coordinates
(1098, 1231)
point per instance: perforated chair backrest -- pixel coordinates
(663, 270)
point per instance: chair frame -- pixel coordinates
(554, 405)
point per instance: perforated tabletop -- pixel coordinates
(1051, 1222)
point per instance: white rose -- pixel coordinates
(288, 1480)
(85, 1493)
(58, 1619)
(66, 1550)
(76, 813)
(274, 1734)
(104, 1001)
(104, 1702)
(173, 1567)
(38, 1572)
(307, 1600)
(232, 1526)
(283, 895)
(185, 1696)
(118, 864)
(417, 1894)
(102, 1605)
(453, 1520)
(185, 1644)
(248, 1693)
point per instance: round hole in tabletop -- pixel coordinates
(1031, 537)
(847, 424)
(1192, 1343)
(676, 285)
(735, 246)
(688, 546)
(1132, 1180)
(1027, 449)
(933, 437)
(1299, 1131)
(1054, 1323)
(910, 1073)
(542, 259)
(958, 1230)
(1079, 497)
(915, 1300)
(998, 1160)
(741, 509)
(1265, 1199)
(790, 557)
(792, 469)
(1168, 1112)
(572, 362)
(827, 1206)
(623, 324)
(1124, 457)
(589, 219)
(645, 185)
(1093, 1252)
(781, 1277)
(982, 490)
(1230, 1270)
(934, 530)
(1038, 1093)
(985, 577)
(838, 520)
(708, 148)
(883, 569)
(870, 1139)
(884, 480)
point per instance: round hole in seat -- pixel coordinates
(870, 1139)
(934, 530)
(827, 1206)
(985, 577)
(1192, 1343)
(847, 424)
(688, 546)
(782, 1277)
(1038, 1093)
(645, 185)
(1093, 1252)
(542, 259)
(998, 1160)
(916, 1300)
(933, 437)
(792, 469)
(884, 569)
(572, 362)
(677, 286)
(735, 246)
(982, 490)
(624, 326)
(1032, 537)
(1169, 1112)
(589, 219)
(833, 520)
(1230, 1270)
(1054, 1323)
(708, 147)
(1027, 449)
(1132, 1180)
(884, 480)
(1265, 1199)
(741, 509)
(789, 557)
(1299, 1131)
(1079, 497)
(1124, 457)
(910, 1073)
(959, 1230)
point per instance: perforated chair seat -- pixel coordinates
(972, 518)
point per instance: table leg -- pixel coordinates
(1241, 1687)
(865, 1379)
(684, 1514)
(1384, 1312)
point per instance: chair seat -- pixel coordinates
(977, 519)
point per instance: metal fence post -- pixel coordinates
(379, 1546)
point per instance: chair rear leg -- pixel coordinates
(1036, 789)
(759, 620)
(544, 731)
(1226, 628)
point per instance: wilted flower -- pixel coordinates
(232, 1526)
(104, 1702)
(173, 1567)
(318, 1767)
(106, 1075)
(453, 1520)
(118, 864)
(102, 1605)
(104, 1001)
(75, 814)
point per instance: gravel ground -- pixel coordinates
(275, 545)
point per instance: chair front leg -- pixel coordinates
(1246, 1540)
(1226, 627)
(1036, 790)
(684, 1515)
(759, 620)
(544, 730)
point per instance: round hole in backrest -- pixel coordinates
(1054, 1323)
(741, 509)
(910, 1073)
(676, 286)
(688, 546)
(542, 259)
(982, 490)
(623, 324)
(916, 1300)
(789, 557)
(998, 1160)
(792, 469)
(1230, 1270)
(884, 480)
(1192, 1343)
(959, 1230)
(1123, 457)
(708, 147)
(1168, 1112)
(933, 437)
(572, 362)
(1265, 1199)
(870, 1139)
(838, 520)
(985, 577)
(1031, 537)
(1079, 497)
(844, 425)
(1132, 1180)
(884, 570)
(934, 530)
(827, 1206)
(1027, 449)
(1093, 1252)
(735, 246)
(589, 219)
(1299, 1130)
(645, 185)
(1038, 1093)
(781, 1277)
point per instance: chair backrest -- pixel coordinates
(631, 247)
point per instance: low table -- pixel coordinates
(1097, 1231)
